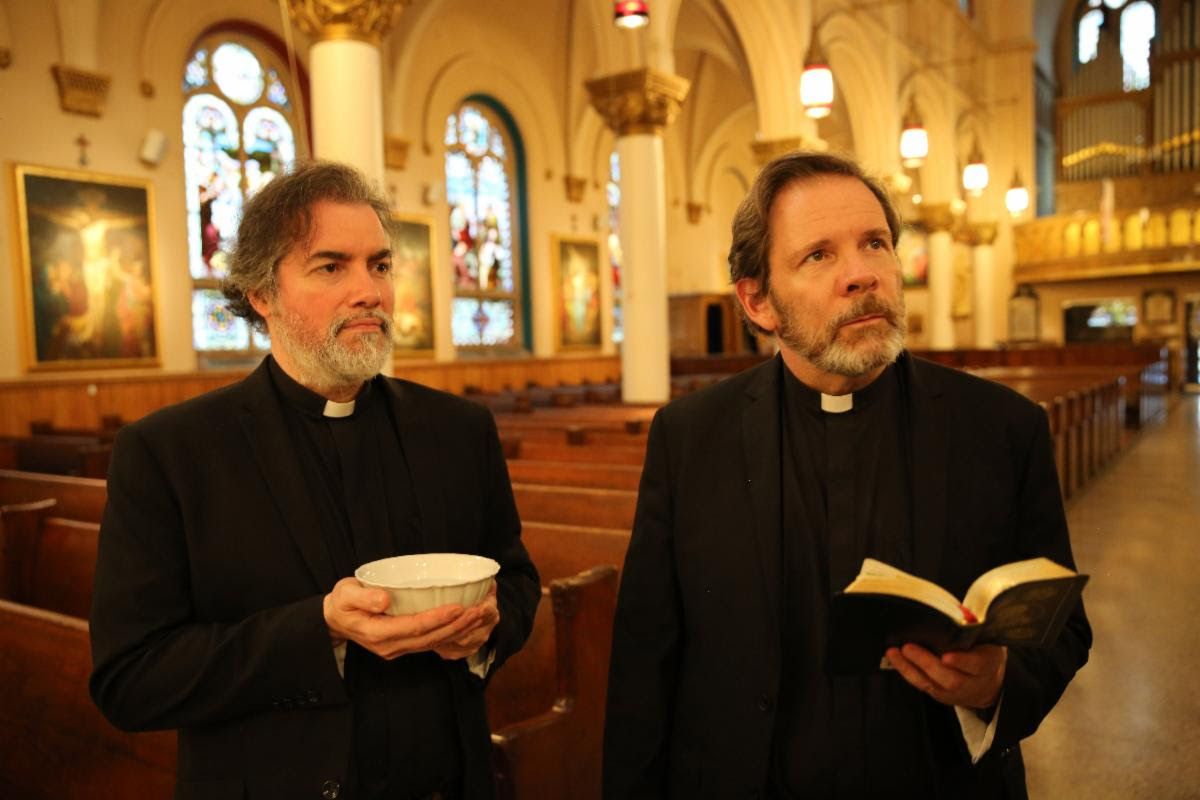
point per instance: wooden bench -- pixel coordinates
(45, 561)
(632, 455)
(54, 743)
(575, 473)
(559, 551)
(571, 505)
(78, 498)
(556, 753)
(82, 456)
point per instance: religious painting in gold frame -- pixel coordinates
(412, 269)
(86, 269)
(576, 275)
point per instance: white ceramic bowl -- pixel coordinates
(420, 582)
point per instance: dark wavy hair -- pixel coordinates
(751, 222)
(279, 217)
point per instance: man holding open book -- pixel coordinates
(761, 498)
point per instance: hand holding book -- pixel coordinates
(1022, 603)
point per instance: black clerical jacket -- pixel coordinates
(207, 612)
(697, 646)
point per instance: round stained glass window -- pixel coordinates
(238, 73)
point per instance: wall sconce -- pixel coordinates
(914, 139)
(816, 82)
(1016, 199)
(975, 173)
(630, 14)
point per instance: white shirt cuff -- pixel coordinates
(339, 655)
(976, 733)
(480, 662)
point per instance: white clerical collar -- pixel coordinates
(335, 409)
(837, 403)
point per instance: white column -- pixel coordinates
(938, 220)
(984, 283)
(347, 104)
(645, 353)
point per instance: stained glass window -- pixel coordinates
(480, 181)
(1089, 34)
(614, 243)
(239, 131)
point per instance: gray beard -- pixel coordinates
(851, 353)
(328, 363)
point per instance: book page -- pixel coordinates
(879, 578)
(991, 583)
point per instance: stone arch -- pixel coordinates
(867, 89)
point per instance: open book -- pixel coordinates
(1023, 603)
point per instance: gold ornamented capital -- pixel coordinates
(983, 233)
(767, 150)
(395, 152)
(573, 185)
(937, 217)
(640, 101)
(361, 20)
(80, 91)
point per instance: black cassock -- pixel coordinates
(847, 495)
(406, 739)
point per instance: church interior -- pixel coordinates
(562, 176)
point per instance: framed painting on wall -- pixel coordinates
(412, 268)
(576, 275)
(913, 253)
(86, 268)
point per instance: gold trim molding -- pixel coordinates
(639, 101)
(1063, 273)
(80, 91)
(983, 233)
(358, 20)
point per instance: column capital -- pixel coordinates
(574, 187)
(361, 20)
(983, 233)
(937, 217)
(81, 91)
(766, 150)
(639, 101)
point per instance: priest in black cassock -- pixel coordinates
(762, 495)
(223, 603)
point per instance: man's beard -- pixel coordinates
(327, 362)
(851, 353)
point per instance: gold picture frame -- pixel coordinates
(87, 269)
(414, 262)
(575, 262)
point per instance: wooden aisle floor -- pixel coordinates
(1129, 724)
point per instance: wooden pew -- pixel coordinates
(555, 755)
(632, 455)
(82, 456)
(571, 505)
(46, 561)
(54, 743)
(78, 498)
(575, 473)
(560, 551)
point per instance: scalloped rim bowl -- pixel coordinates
(427, 580)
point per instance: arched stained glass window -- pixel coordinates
(239, 131)
(482, 195)
(1089, 35)
(614, 243)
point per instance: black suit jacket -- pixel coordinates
(207, 613)
(696, 661)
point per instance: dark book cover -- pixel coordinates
(864, 625)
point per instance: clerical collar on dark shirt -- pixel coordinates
(311, 403)
(812, 400)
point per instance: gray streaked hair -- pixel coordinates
(279, 217)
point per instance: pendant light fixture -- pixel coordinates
(975, 173)
(1016, 199)
(914, 139)
(816, 82)
(630, 14)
